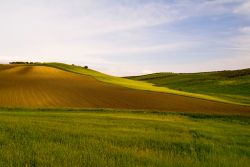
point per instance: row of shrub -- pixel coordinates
(21, 62)
(234, 73)
(86, 67)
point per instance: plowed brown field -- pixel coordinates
(39, 86)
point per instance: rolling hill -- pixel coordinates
(54, 114)
(40, 86)
(228, 85)
(139, 85)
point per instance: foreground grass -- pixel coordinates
(121, 138)
(140, 85)
(229, 85)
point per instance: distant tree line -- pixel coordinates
(86, 67)
(234, 73)
(21, 62)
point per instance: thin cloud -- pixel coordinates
(244, 9)
(115, 36)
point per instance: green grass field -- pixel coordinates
(121, 138)
(229, 85)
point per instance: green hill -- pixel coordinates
(229, 85)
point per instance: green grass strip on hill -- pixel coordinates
(139, 85)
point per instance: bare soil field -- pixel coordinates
(39, 87)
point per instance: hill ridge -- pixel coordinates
(44, 87)
(133, 84)
(232, 85)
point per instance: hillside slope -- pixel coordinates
(139, 85)
(229, 85)
(40, 86)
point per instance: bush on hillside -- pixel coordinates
(20, 62)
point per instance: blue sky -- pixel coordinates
(128, 37)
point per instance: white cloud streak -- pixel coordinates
(89, 31)
(244, 9)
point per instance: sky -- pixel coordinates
(128, 37)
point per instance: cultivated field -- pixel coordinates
(42, 86)
(122, 138)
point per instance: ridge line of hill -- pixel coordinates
(133, 84)
(233, 85)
